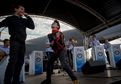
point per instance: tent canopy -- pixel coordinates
(89, 16)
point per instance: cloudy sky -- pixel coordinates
(42, 27)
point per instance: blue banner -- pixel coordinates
(79, 57)
(99, 53)
(116, 52)
(38, 62)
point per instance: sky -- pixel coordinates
(42, 27)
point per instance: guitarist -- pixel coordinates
(56, 39)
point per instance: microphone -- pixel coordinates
(24, 15)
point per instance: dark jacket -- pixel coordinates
(17, 26)
(58, 43)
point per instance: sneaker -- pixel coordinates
(75, 82)
(46, 82)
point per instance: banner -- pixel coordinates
(116, 52)
(99, 53)
(111, 57)
(36, 63)
(79, 58)
(22, 74)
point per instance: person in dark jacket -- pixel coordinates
(56, 39)
(17, 25)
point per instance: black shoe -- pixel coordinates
(14, 82)
(46, 82)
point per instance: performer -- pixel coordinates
(107, 47)
(93, 43)
(17, 25)
(56, 39)
(69, 47)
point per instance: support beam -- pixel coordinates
(46, 7)
(104, 26)
(88, 9)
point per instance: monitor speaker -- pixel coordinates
(91, 67)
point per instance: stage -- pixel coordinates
(106, 77)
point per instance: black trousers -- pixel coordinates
(70, 58)
(108, 57)
(50, 55)
(17, 53)
(64, 64)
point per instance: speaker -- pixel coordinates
(91, 67)
(118, 64)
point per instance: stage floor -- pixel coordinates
(105, 77)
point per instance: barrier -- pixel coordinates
(111, 57)
(22, 75)
(116, 53)
(99, 53)
(36, 63)
(79, 58)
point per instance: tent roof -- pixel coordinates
(89, 16)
